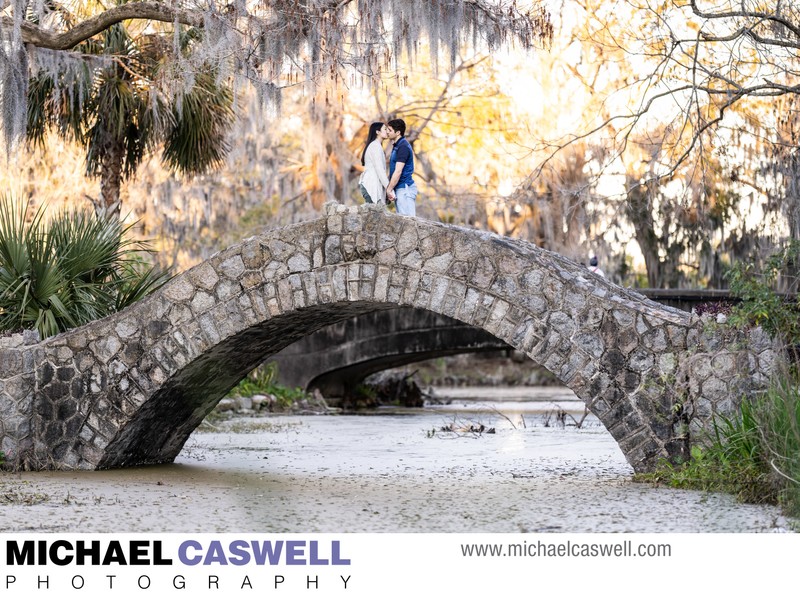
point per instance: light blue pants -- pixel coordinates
(406, 200)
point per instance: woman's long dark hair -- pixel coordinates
(374, 128)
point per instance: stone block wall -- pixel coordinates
(17, 389)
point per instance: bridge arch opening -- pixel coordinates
(338, 357)
(159, 428)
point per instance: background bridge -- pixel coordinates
(338, 357)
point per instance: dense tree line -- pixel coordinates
(683, 140)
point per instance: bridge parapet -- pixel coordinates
(130, 389)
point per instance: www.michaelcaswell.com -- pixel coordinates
(537, 548)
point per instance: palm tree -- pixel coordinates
(119, 114)
(78, 268)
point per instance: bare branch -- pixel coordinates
(153, 11)
(443, 96)
(754, 14)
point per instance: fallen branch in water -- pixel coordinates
(561, 417)
(462, 429)
(495, 410)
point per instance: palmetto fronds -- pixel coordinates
(116, 108)
(78, 268)
(196, 139)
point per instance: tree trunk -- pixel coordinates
(111, 177)
(640, 214)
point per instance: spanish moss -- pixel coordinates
(273, 43)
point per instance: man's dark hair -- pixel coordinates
(398, 126)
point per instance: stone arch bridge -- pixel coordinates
(129, 389)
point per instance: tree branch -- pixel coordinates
(443, 95)
(753, 14)
(153, 11)
(749, 32)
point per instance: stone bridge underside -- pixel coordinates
(130, 389)
(338, 357)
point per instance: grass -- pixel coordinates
(262, 380)
(779, 429)
(753, 454)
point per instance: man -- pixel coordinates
(401, 170)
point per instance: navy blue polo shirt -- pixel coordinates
(401, 151)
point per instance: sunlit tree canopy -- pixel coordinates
(661, 136)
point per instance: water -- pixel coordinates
(384, 473)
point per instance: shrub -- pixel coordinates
(262, 380)
(78, 268)
(761, 304)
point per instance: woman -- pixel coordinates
(374, 180)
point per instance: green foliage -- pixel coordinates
(78, 268)
(196, 141)
(753, 454)
(779, 430)
(262, 380)
(120, 113)
(364, 396)
(761, 304)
